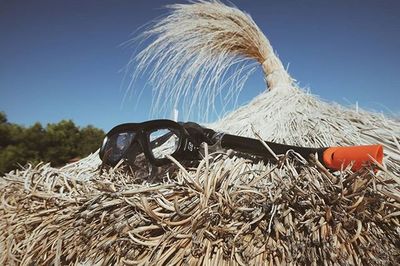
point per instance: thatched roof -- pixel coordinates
(227, 210)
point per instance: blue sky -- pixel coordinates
(64, 59)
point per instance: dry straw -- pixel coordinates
(227, 210)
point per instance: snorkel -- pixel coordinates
(188, 137)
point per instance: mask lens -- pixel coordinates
(117, 146)
(137, 160)
(163, 142)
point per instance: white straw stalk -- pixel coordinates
(201, 48)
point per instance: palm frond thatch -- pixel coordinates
(227, 211)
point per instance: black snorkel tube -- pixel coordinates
(334, 158)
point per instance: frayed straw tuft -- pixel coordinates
(199, 50)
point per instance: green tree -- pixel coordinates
(3, 118)
(10, 134)
(11, 157)
(57, 143)
(90, 139)
(4, 131)
(62, 142)
(35, 142)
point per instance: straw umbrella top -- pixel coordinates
(199, 48)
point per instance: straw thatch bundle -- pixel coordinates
(227, 210)
(200, 46)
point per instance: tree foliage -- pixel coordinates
(57, 143)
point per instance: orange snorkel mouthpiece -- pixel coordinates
(337, 158)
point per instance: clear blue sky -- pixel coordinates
(63, 60)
